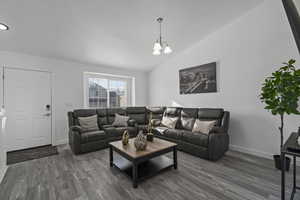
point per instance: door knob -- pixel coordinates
(47, 107)
(47, 114)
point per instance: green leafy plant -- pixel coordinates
(281, 92)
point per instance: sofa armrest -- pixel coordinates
(218, 144)
(132, 123)
(76, 129)
(75, 140)
(217, 129)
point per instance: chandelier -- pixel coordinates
(161, 46)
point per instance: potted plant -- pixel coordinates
(150, 135)
(280, 93)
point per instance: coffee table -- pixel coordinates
(140, 165)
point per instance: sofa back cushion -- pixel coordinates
(137, 113)
(208, 114)
(82, 113)
(102, 117)
(173, 114)
(89, 123)
(188, 117)
(111, 114)
(157, 113)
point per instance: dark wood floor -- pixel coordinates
(65, 176)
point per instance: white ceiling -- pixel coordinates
(117, 33)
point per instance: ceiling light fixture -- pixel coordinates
(160, 45)
(3, 27)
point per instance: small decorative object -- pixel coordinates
(140, 142)
(280, 93)
(150, 137)
(198, 79)
(125, 138)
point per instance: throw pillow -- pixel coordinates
(155, 122)
(89, 123)
(169, 122)
(203, 126)
(187, 123)
(120, 120)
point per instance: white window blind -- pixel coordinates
(107, 91)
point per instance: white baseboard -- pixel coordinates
(2, 173)
(251, 151)
(255, 152)
(63, 141)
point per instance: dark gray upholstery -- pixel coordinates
(137, 113)
(210, 146)
(92, 136)
(195, 138)
(157, 112)
(111, 113)
(211, 114)
(102, 117)
(118, 131)
(173, 133)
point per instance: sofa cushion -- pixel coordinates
(120, 121)
(157, 113)
(137, 113)
(89, 123)
(107, 126)
(172, 112)
(173, 133)
(211, 114)
(93, 136)
(111, 114)
(118, 131)
(195, 138)
(203, 126)
(188, 117)
(102, 117)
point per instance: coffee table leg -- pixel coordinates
(175, 157)
(111, 156)
(134, 174)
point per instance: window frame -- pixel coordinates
(130, 81)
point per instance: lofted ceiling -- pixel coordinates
(116, 33)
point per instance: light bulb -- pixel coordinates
(167, 50)
(156, 52)
(157, 46)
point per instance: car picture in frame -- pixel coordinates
(198, 79)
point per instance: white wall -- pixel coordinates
(68, 84)
(246, 51)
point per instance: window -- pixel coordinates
(107, 91)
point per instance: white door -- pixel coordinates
(27, 100)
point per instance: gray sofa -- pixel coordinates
(210, 146)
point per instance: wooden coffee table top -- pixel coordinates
(155, 146)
